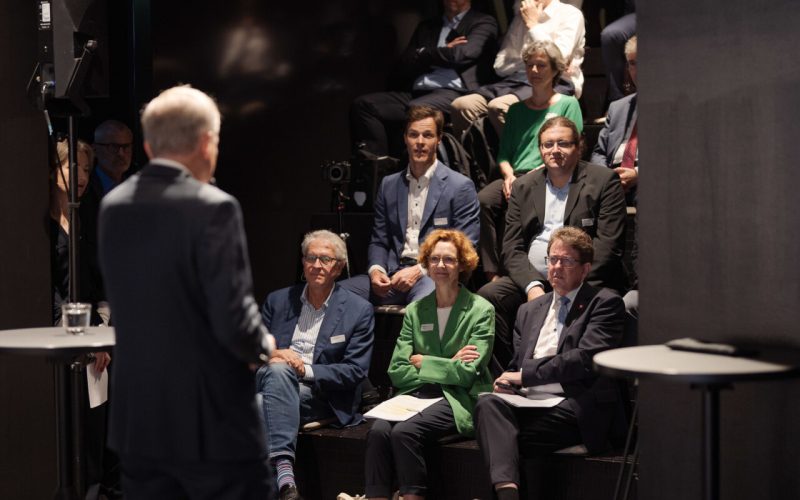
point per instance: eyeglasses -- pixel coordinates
(561, 145)
(447, 260)
(567, 262)
(323, 259)
(115, 147)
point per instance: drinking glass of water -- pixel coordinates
(75, 317)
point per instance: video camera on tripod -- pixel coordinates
(355, 182)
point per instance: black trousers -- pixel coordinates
(156, 480)
(399, 447)
(506, 297)
(502, 431)
(493, 224)
(378, 119)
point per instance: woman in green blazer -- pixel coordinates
(442, 351)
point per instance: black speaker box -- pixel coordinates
(66, 28)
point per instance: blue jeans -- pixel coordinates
(287, 403)
(361, 286)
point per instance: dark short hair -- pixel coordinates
(467, 256)
(575, 238)
(560, 121)
(417, 113)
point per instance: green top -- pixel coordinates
(519, 145)
(471, 321)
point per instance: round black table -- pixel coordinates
(64, 350)
(710, 372)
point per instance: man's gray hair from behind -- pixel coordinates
(174, 121)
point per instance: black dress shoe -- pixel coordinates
(289, 492)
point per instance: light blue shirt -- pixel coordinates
(555, 205)
(304, 338)
(442, 78)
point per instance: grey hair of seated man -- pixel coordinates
(339, 247)
(110, 127)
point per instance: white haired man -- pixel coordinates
(324, 337)
(184, 418)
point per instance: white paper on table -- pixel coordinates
(400, 408)
(534, 399)
(97, 386)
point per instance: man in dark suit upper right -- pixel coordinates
(567, 192)
(555, 338)
(445, 58)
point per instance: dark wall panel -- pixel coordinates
(27, 461)
(284, 74)
(719, 231)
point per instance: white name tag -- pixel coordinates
(440, 221)
(426, 327)
(587, 222)
(337, 339)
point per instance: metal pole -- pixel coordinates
(65, 487)
(711, 441)
(74, 224)
(78, 384)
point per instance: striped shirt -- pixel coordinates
(304, 338)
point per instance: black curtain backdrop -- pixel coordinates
(719, 232)
(27, 437)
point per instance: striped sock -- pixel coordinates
(285, 472)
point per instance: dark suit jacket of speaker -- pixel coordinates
(174, 256)
(596, 204)
(595, 322)
(472, 61)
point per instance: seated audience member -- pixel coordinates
(536, 20)
(519, 149)
(60, 224)
(618, 143)
(442, 352)
(612, 41)
(567, 192)
(323, 335)
(410, 204)
(445, 58)
(556, 337)
(94, 430)
(113, 148)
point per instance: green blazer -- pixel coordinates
(471, 321)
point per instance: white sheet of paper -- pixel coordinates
(400, 408)
(534, 400)
(97, 386)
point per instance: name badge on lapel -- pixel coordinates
(440, 221)
(337, 339)
(587, 222)
(426, 327)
